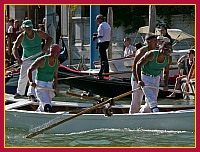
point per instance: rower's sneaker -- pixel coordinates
(18, 96)
(155, 110)
(32, 98)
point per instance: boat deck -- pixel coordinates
(71, 107)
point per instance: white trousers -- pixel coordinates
(151, 91)
(23, 79)
(44, 96)
(137, 97)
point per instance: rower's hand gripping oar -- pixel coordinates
(78, 114)
(26, 59)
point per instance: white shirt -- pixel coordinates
(129, 50)
(104, 30)
(10, 29)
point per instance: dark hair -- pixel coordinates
(150, 36)
(127, 38)
(99, 17)
(191, 52)
(166, 44)
(164, 27)
(11, 20)
(138, 45)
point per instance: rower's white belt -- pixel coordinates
(150, 75)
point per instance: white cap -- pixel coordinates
(166, 39)
(160, 38)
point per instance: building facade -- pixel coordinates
(81, 27)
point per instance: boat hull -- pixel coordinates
(182, 120)
(20, 113)
(106, 87)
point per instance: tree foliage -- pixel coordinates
(133, 16)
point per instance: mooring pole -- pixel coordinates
(152, 18)
(50, 14)
(94, 54)
(110, 21)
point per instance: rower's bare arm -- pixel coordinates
(139, 53)
(16, 46)
(46, 37)
(55, 81)
(39, 62)
(181, 58)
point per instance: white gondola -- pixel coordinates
(21, 114)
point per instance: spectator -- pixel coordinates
(159, 41)
(103, 37)
(138, 46)
(164, 33)
(41, 27)
(129, 50)
(11, 25)
(184, 66)
(6, 23)
(10, 39)
(16, 30)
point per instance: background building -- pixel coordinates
(81, 25)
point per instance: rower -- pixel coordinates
(46, 76)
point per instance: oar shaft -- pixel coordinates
(75, 77)
(26, 59)
(69, 93)
(78, 114)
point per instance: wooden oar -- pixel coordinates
(26, 59)
(70, 93)
(78, 114)
(91, 75)
(80, 96)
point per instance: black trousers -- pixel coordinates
(103, 57)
